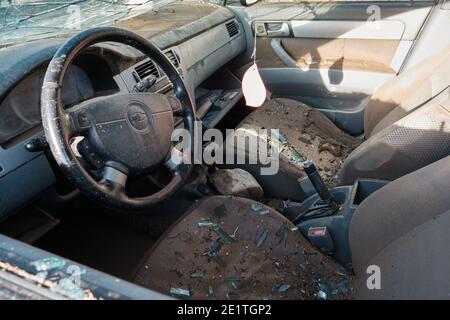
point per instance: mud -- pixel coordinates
(266, 258)
(167, 18)
(310, 136)
(236, 182)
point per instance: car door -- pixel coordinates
(334, 55)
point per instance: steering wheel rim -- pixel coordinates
(59, 126)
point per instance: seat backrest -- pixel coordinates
(403, 230)
(416, 140)
(407, 91)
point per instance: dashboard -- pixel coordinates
(20, 111)
(198, 50)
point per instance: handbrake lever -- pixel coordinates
(317, 182)
(326, 206)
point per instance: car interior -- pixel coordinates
(362, 113)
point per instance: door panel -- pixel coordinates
(332, 58)
(346, 29)
(340, 54)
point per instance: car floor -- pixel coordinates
(114, 243)
(98, 240)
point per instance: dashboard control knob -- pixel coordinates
(37, 145)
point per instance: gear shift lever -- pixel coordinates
(317, 182)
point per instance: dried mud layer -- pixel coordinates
(167, 18)
(306, 134)
(234, 248)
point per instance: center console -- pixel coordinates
(324, 218)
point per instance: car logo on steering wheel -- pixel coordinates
(138, 118)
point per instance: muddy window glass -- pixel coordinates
(26, 20)
(328, 1)
(94, 71)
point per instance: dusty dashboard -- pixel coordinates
(200, 53)
(20, 111)
(198, 61)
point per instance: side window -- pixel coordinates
(314, 3)
(328, 1)
(218, 2)
(234, 2)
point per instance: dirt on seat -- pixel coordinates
(235, 248)
(309, 135)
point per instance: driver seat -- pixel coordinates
(235, 248)
(251, 255)
(406, 125)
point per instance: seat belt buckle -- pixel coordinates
(321, 238)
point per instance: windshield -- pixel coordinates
(24, 20)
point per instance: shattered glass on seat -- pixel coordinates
(245, 256)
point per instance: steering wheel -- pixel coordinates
(130, 133)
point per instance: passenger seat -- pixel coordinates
(407, 126)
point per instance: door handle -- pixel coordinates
(278, 29)
(282, 54)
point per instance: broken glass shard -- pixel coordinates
(47, 264)
(278, 135)
(225, 237)
(258, 208)
(198, 274)
(207, 224)
(180, 293)
(215, 247)
(262, 238)
(283, 288)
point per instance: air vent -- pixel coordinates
(147, 68)
(233, 28)
(173, 58)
